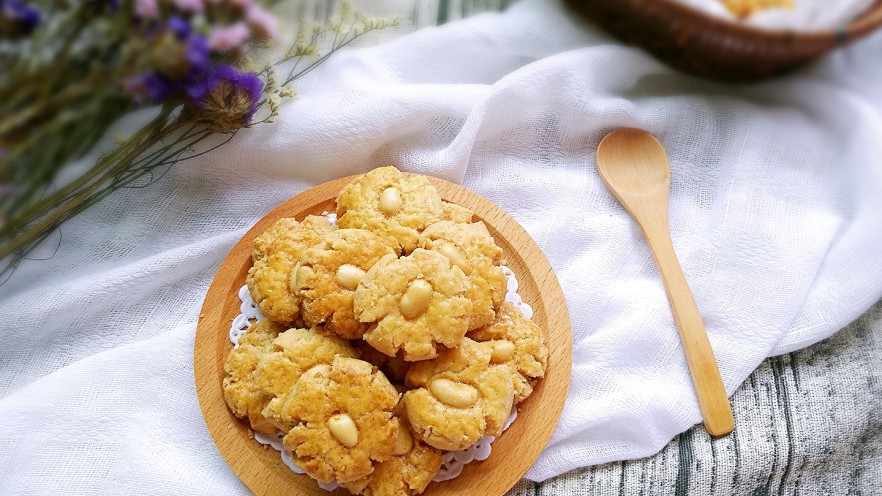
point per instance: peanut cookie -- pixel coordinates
(456, 213)
(329, 272)
(264, 240)
(342, 422)
(410, 470)
(471, 248)
(459, 397)
(277, 251)
(390, 204)
(394, 367)
(413, 303)
(294, 352)
(516, 340)
(241, 392)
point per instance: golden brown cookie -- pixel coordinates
(456, 213)
(277, 251)
(518, 341)
(413, 303)
(459, 397)
(341, 418)
(241, 392)
(409, 471)
(390, 204)
(294, 352)
(264, 240)
(746, 8)
(471, 248)
(394, 367)
(328, 274)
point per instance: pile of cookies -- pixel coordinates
(387, 340)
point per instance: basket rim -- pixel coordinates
(866, 22)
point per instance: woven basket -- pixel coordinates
(714, 48)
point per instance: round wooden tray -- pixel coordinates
(261, 468)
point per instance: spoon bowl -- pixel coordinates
(634, 162)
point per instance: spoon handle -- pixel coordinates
(709, 390)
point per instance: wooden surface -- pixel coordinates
(635, 168)
(261, 468)
(809, 424)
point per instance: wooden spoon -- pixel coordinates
(634, 166)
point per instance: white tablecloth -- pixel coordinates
(775, 213)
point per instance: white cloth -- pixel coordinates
(775, 215)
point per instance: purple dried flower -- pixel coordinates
(193, 69)
(218, 95)
(17, 18)
(180, 27)
(226, 98)
(150, 87)
(198, 54)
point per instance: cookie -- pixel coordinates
(413, 303)
(342, 421)
(294, 352)
(516, 340)
(394, 367)
(278, 250)
(264, 240)
(328, 274)
(459, 397)
(746, 8)
(241, 391)
(471, 248)
(391, 205)
(456, 213)
(409, 471)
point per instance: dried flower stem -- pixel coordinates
(35, 114)
(39, 219)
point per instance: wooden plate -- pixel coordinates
(261, 468)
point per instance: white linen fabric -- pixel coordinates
(775, 215)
